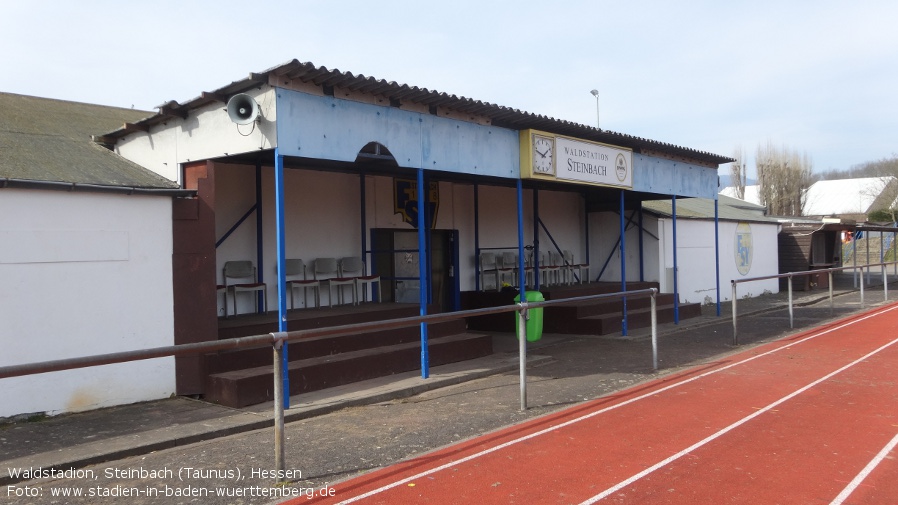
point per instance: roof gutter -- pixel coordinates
(7, 182)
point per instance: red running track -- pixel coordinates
(809, 419)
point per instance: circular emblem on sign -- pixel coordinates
(620, 167)
(744, 248)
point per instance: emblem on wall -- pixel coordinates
(620, 167)
(405, 201)
(744, 248)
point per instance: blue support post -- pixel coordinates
(521, 273)
(675, 267)
(535, 239)
(586, 232)
(260, 251)
(282, 265)
(717, 251)
(422, 272)
(641, 258)
(623, 262)
(476, 239)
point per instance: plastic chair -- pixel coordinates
(549, 265)
(354, 267)
(327, 272)
(571, 266)
(243, 271)
(219, 290)
(296, 268)
(489, 266)
(509, 267)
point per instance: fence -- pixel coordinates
(828, 271)
(277, 340)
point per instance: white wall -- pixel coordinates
(83, 274)
(604, 231)
(207, 133)
(696, 261)
(695, 255)
(323, 219)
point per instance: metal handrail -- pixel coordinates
(829, 271)
(277, 340)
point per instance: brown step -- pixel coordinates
(311, 347)
(240, 388)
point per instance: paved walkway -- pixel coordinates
(77, 440)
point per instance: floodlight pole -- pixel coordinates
(595, 93)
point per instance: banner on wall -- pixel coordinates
(744, 248)
(405, 201)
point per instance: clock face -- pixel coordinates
(543, 155)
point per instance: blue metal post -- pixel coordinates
(586, 232)
(476, 238)
(422, 271)
(260, 251)
(535, 239)
(623, 262)
(641, 258)
(521, 273)
(282, 265)
(675, 267)
(717, 251)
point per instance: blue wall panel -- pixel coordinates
(335, 129)
(666, 177)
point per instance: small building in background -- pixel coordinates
(85, 259)
(747, 241)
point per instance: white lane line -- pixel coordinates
(729, 428)
(865, 472)
(602, 411)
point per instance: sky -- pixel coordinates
(816, 77)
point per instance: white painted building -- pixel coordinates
(85, 259)
(747, 241)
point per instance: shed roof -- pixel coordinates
(47, 142)
(844, 196)
(500, 116)
(729, 209)
(752, 193)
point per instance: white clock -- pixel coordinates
(543, 155)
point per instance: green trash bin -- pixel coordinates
(534, 325)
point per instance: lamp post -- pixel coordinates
(595, 93)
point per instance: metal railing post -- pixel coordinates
(831, 303)
(885, 283)
(735, 337)
(791, 320)
(654, 331)
(862, 287)
(522, 352)
(279, 451)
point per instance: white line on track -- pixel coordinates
(616, 406)
(865, 472)
(729, 428)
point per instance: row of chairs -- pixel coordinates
(554, 268)
(240, 277)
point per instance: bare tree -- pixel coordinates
(784, 177)
(738, 172)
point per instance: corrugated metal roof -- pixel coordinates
(729, 209)
(500, 116)
(45, 140)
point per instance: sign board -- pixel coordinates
(554, 157)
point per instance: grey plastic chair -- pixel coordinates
(243, 273)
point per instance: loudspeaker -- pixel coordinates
(242, 109)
